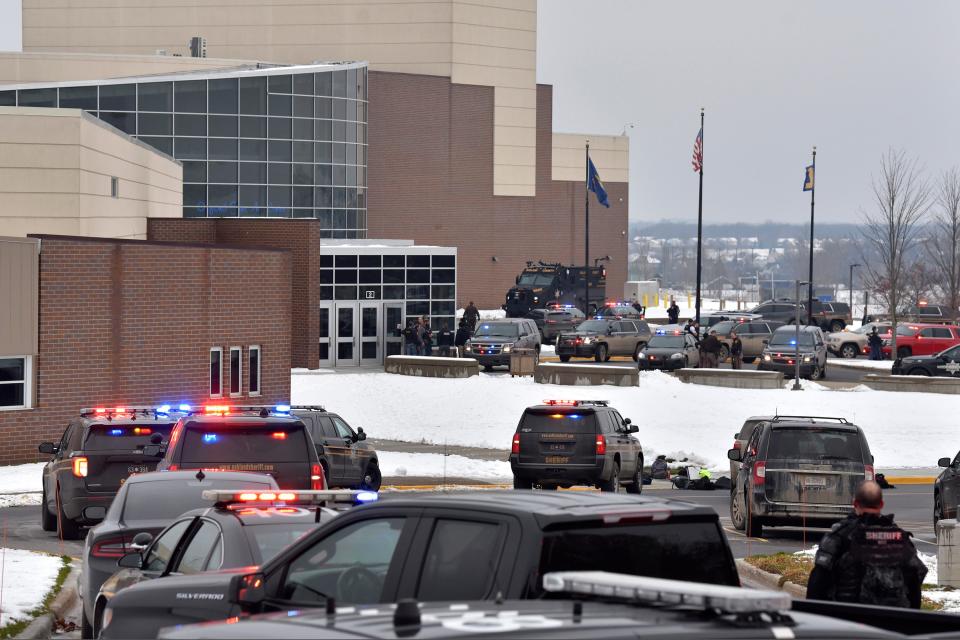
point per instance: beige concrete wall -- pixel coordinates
(17, 67)
(610, 154)
(482, 42)
(19, 291)
(56, 167)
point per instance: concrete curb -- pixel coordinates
(42, 626)
(769, 580)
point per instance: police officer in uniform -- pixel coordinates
(867, 559)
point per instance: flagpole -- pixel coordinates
(586, 235)
(813, 189)
(699, 224)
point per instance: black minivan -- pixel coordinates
(562, 443)
(798, 471)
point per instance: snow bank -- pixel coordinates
(903, 431)
(856, 363)
(395, 464)
(17, 484)
(27, 577)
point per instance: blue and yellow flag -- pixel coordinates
(808, 179)
(595, 184)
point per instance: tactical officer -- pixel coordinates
(867, 559)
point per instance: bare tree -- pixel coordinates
(944, 244)
(901, 198)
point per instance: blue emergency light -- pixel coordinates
(366, 496)
(209, 437)
(116, 432)
(185, 407)
(164, 408)
(282, 408)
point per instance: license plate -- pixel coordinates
(137, 468)
(814, 481)
(558, 447)
(557, 460)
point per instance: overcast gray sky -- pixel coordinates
(853, 77)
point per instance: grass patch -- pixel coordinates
(14, 627)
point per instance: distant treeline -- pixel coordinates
(767, 232)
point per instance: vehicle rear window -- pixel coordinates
(666, 342)
(812, 443)
(107, 437)
(167, 499)
(270, 539)
(789, 339)
(692, 550)
(560, 422)
(907, 331)
(217, 442)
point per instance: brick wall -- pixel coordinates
(430, 178)
(127, 322)
(300, 237)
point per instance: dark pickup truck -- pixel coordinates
(443, 547)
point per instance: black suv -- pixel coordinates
(555, 319)
(460, 546)
(244, 438)
(798, 471)
(576, 442)
(829, 316)
(346, 458)
(946, 489)
(494, 341)
(97, 452)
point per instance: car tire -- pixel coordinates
(67, 529)
(636, 487)
(600, 355)
(86, 629)
(937, 508)
(48, 521)
(737, 511)
(724, 353)
(849, 351)
(98, 618)
(519, 483)
(904, 352)
(748, 360)
(564, 358)
(917, 371)
(837, 326)
(754, 525)
(372, 479)
(613, 484)
(817, 373)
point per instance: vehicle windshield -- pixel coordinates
(219, 442)
(814, 443)
(104, 437)
(616, 311)
(595, 326)
(270, 539)
(498, 329)
(904, 330)
(789, 339)
(559, 421)
(167, 499)
(665, 342)
(692, 550)
(536, 280)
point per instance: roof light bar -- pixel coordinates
(225, 498)
(662, 591)
(110, 412)
(574, 403)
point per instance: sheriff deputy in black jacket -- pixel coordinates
(867, 559)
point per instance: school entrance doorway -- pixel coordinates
(359, 334)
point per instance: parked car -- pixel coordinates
(346, 457)
(562, 443)
(670, 348)
(754, 334)
(782, 310)
(798, 472)
(494, 341)
(850, 343)
(946, 489)
(946, 363)
(602, 339)
(146, 504)
(454, 547)
(781, 352)
(714, 318)
(619, 310)
(829, 316)
(740, 439)
(555, 319)
(922, 339)
(98, 451)
(927, 313)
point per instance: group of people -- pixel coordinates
(418, 335)
(711, 347)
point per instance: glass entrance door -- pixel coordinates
(326, 335)
(370, 353)
(392, 328)
(347, 353)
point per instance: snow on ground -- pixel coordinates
(486, 314)
(857, 363)
(395, 464)
(483, 411)
(16, 481)
(26, 578)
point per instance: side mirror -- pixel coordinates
(47, 447)
(131, 561)
(141, 541)
(766, 342)
(248, 590)
(734, 454)
(627, 421)
(516, 280)
(943, 462)
(360, 434)
(153, 450)
(632, 428)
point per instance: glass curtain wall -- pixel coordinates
(252, 145)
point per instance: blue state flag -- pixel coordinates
(808, 179)
(595, 184)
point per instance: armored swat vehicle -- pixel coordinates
(541, 284)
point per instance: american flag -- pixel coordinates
(698, 152)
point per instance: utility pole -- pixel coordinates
(586, 237)
(855, 264)
(813, 189)
(796, 357)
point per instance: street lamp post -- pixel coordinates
(855, 264)
(796, 345)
